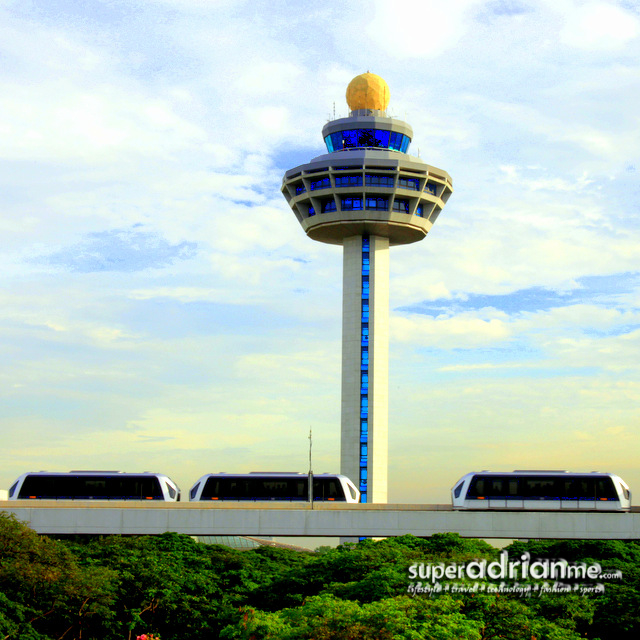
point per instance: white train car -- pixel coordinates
(267, 486)
(541, 491)
(94, 485)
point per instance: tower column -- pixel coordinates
(367, 194)
(365, 362)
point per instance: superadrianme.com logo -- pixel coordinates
(520, 577)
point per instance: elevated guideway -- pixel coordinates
(324, 519)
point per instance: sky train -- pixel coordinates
(260, 486)
(541, 491)
(94, 485)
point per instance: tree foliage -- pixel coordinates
(118, 588)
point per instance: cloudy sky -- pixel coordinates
(161, 309)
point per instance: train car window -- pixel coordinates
(457, 490)
(211, 489)
(476, 488)
(352, 491)
(38, 487)
(300, 489)
(328, 489)
(582, 488)
(194, 491)
(13, 489)
(605, 489)
(539, 487)
(497, 487)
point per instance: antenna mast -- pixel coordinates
(310, 470)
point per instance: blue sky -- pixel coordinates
(163, 310)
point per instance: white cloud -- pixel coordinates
(420, 28)
(599, 26)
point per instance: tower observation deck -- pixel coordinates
(366, 194)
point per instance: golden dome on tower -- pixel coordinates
(368, 91)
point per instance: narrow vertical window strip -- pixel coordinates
(364, 370)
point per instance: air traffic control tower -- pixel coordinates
(366, 194)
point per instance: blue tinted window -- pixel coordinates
(395, 141)
(379, 204)
(379, 181)
(409, 183)
(348, 181)
(351, 204)
(328, 205)
(401, 205)
(323, 183)
(352, 138)
(430, 188)
(312, 211)
(300, 189)
(419, 210)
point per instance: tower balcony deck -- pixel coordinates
(366, 191)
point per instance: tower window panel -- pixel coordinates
(365, 243)
(430, 188)
(364, 428)
(378, 204)
(398, 142)
(351, 204)
(312, 211)
(323, 183)
(419, 210)
(409, 183)
(350, 138)
(329, 142)
(328, 205)
(300, 189)
(373, 180)
(348, 181)
(401, 205)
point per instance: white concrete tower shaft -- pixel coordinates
(365, 364)
(367, 194)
